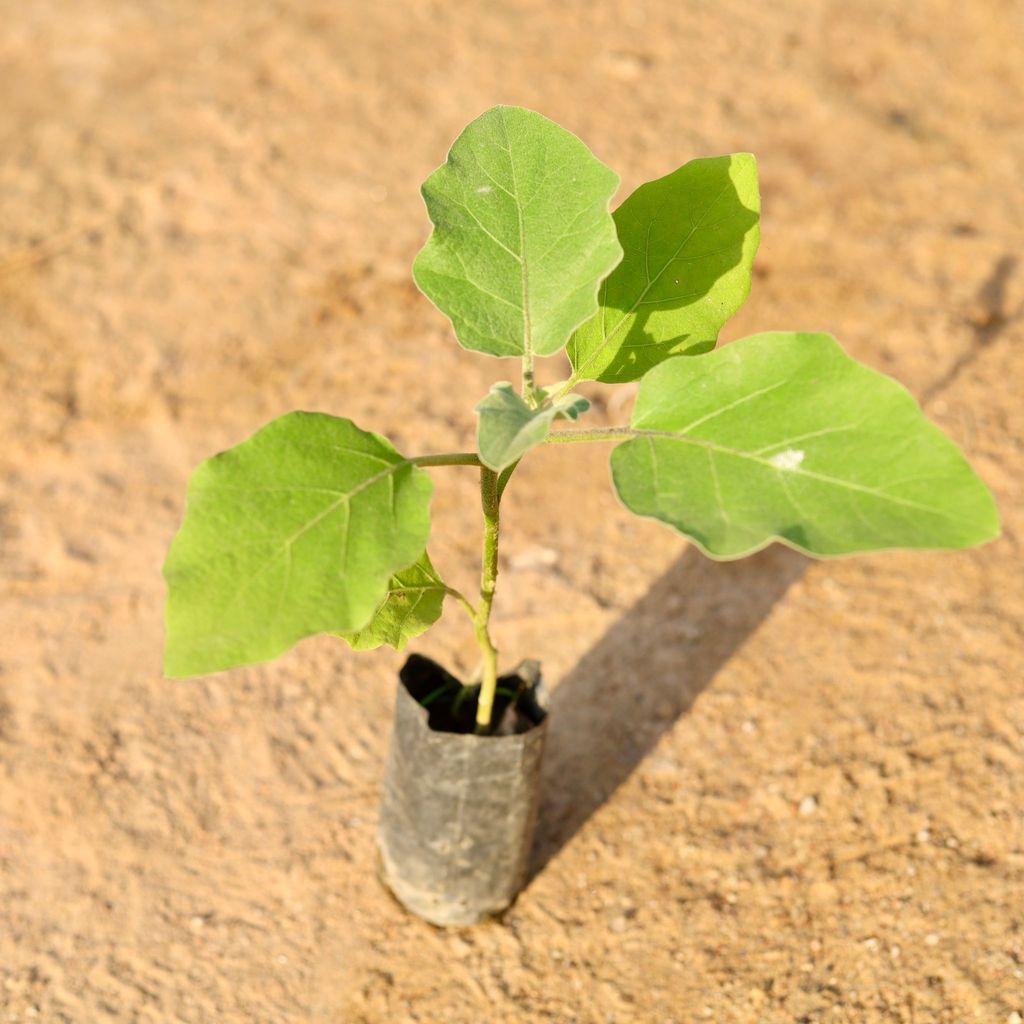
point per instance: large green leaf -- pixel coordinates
(294, 532)
(689, 241)
(413, 604)
(508, 427)
(522, 234)
(785, 437)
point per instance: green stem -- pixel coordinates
(565, 388)
(598, 434)
(463, 601)
(529, 384)
(447, 459)
(488, 684)
(478, 616)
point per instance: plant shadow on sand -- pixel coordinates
(643, 675)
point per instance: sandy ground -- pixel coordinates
(776, 791)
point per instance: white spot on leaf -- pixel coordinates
(789, 459)
(484, 189)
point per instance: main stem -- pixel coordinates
(489, 499)
(529, 380)
(491, 487)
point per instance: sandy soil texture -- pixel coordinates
(777, 791)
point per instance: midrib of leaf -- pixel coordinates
(524, 276)
(413, 605)
(418, 587)
(651, 281)
(795, 471)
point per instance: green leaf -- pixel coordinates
(508, 427)
(689, 241)
(294, 532)
(784, 437)
(413, 604)
(522, 234)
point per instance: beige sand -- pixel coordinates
(777, 791)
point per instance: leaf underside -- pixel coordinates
(413, 604)
(296, 531)
(508, 427)
(689, 241)
(782, 436)
(522, 234)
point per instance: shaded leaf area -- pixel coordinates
(508, 428)
(783, 436)
(293, 532)
(689, 241)
(413, 604)
(522, 234)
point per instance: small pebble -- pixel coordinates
(1014, 1018)
(808, 805)
(924, 836)
(894, 952)
(931, 939)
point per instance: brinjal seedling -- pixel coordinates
(315, 525)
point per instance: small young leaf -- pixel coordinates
(508, 427)
(294, 532)
(522, 234)
(689, 240)
(784, 437)
(571, 407)
(413, 604)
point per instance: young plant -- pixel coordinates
(314, 525)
